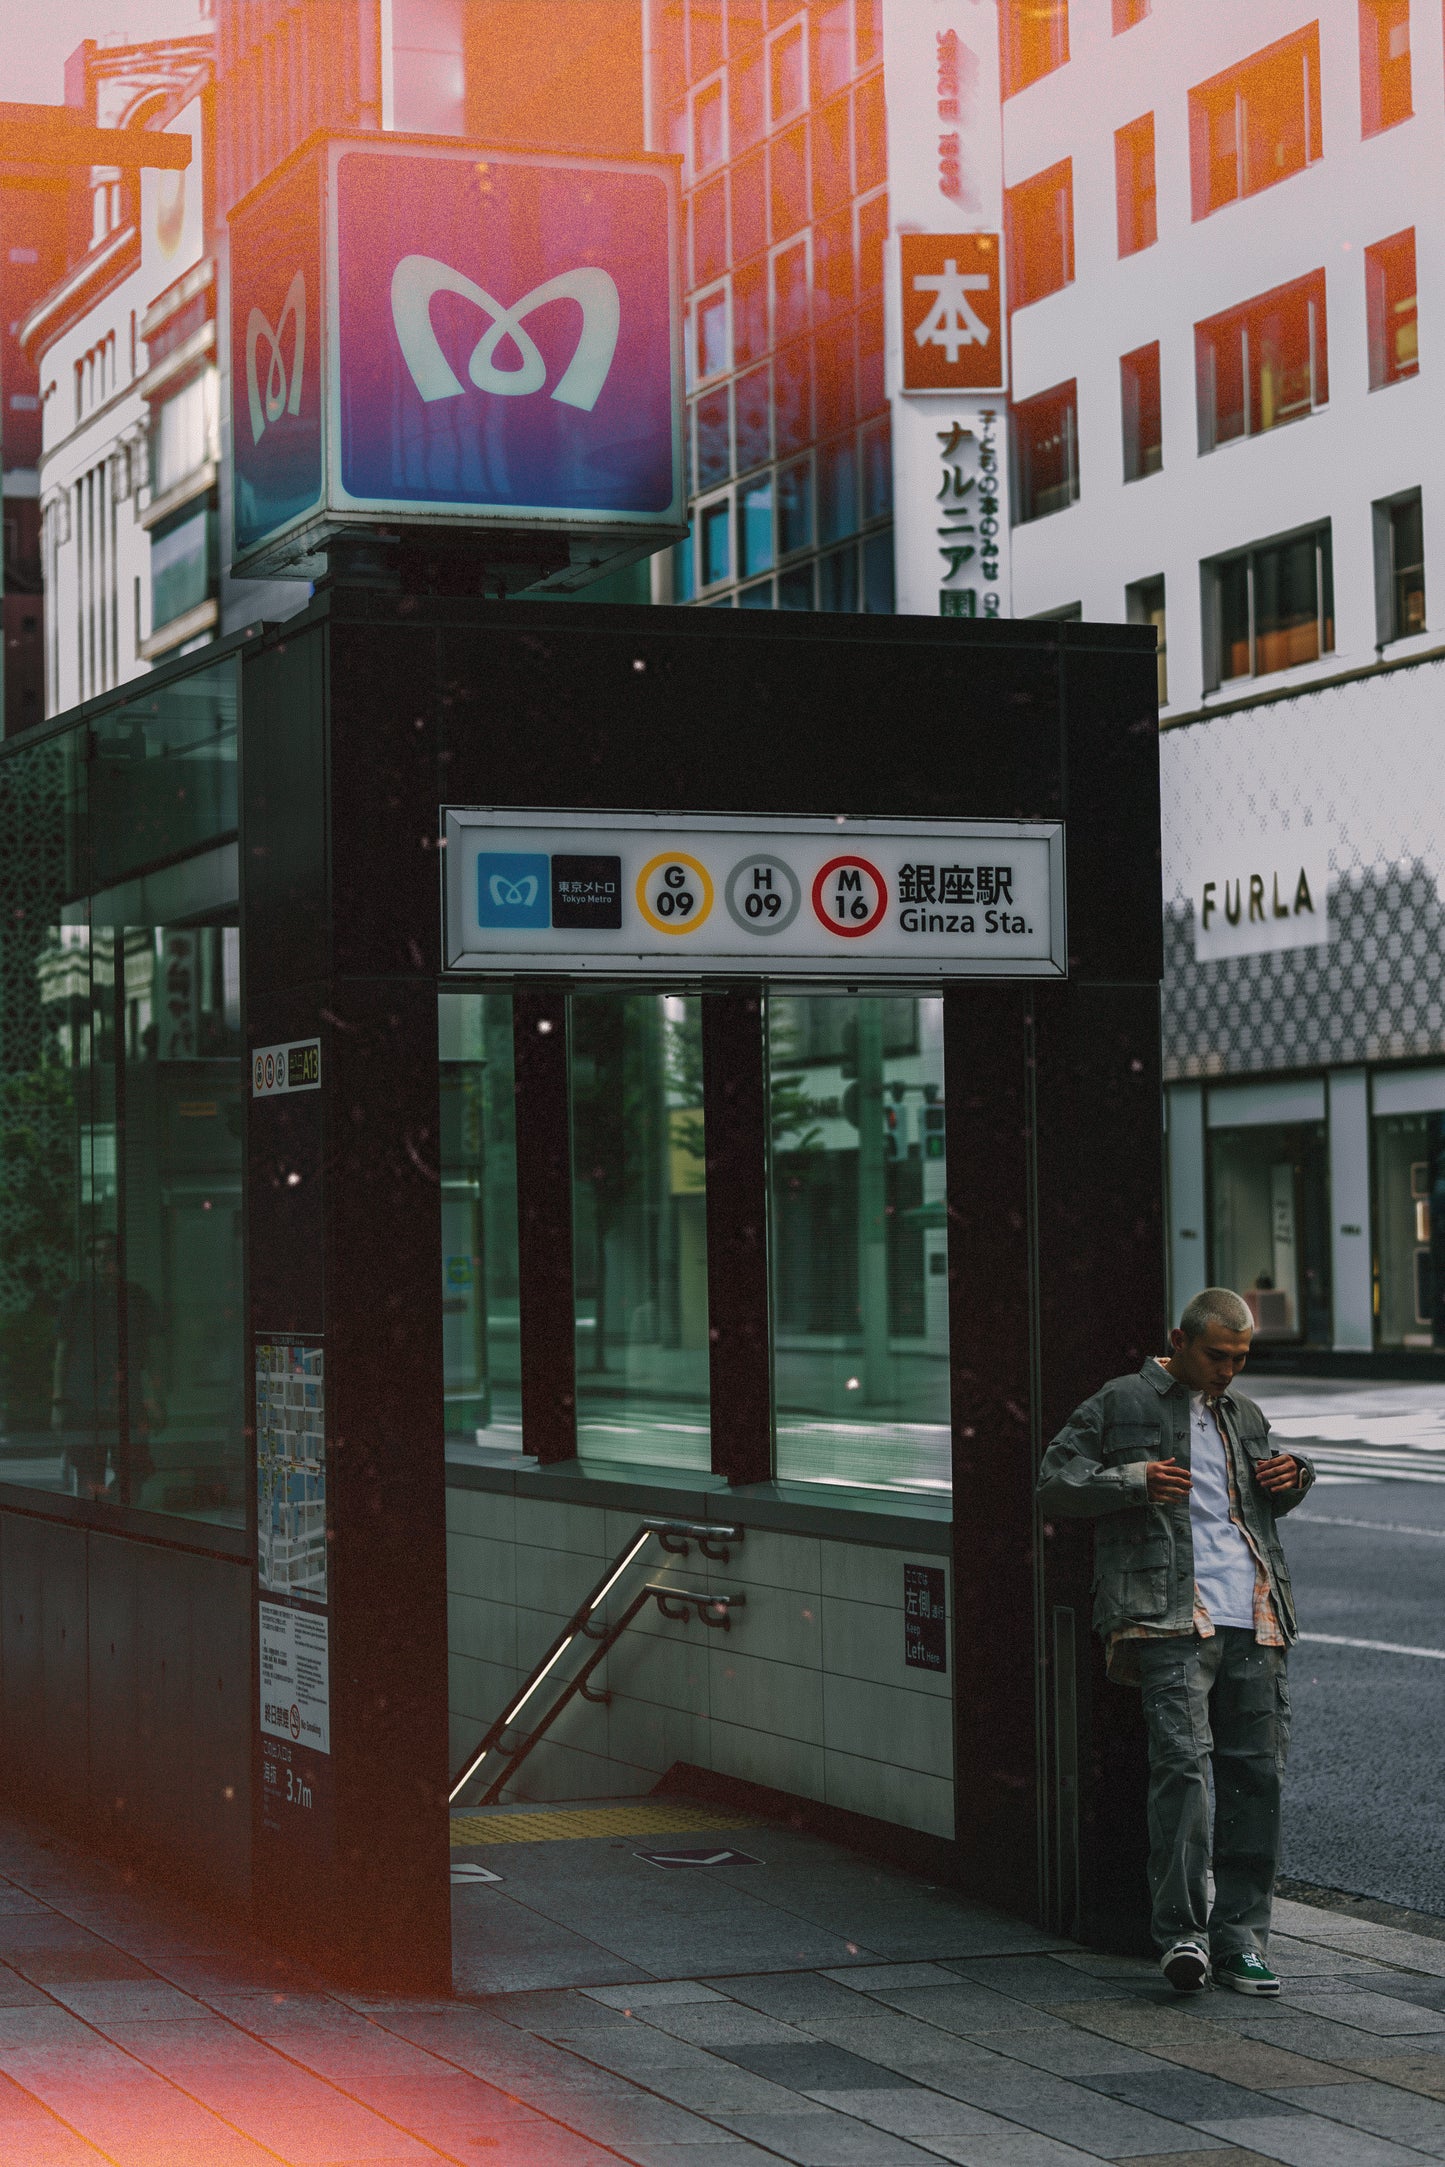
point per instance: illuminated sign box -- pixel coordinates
(430, 335)
(702, 895)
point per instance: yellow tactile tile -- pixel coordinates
(547, 1826)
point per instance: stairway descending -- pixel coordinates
(585, 1640)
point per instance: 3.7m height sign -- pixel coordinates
(645, 894)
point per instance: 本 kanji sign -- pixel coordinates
(952, 312)
(627, 894)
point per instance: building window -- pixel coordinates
(182, 558)
(795, 507)
(1134, 186)
(788, 181)
(1143, 421)
(1410, 1228)
(745, 101)
(787, 74)
(1399, 567)
(1039, 216)
(707, 127)
(868, 30)
(1391, 308)
(832, 48)
(714, 523)
(1046, 453)
(1035, 41)
(1384, 64)
(750, 312)
(1144, 605)
(1270, 608)
(1127, 13)
(712, 333)
(710, 232)
(791, 289)
(755, 527)
(1263, 365)
(1257, 123)
(714, 457)
(1270, 1226)
(183, 433)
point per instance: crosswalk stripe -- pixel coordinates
(1380, 1647)
(1379, 1527)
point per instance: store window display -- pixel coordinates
(1269, 1227)
(1410, 1230)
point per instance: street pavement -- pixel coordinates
(795, 2003)
(1367, 1557)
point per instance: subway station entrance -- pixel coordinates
(582, 1323)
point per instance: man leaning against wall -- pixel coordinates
(1193, 1603)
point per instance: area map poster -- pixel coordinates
(291, 1469)
(294, 1647)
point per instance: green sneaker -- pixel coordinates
(1245, 1972)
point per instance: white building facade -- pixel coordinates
(1222, 251)
(1228, 259)
(125, 346)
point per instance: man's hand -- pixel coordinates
(1282, 1472)
(1166, 1480)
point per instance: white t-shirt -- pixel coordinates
(1223, 1560)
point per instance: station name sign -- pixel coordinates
(646, 894)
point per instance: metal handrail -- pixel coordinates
(673, 1536)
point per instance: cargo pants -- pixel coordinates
(1223, 1699)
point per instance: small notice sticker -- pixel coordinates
(925, 1622)
(295, 1066)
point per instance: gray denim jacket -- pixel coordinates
(1144, 1552)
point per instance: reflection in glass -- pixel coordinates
(180, 1217)
(859, 1234)
(755, 527)
(481, 1347)
(640, 1228)
(716, 556)
(120, 1107)
(1269, 1226)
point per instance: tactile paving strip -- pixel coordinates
(577, 1821)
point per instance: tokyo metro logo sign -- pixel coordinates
(441, 336)
(417, 280)
(504, 334)
(274, 390)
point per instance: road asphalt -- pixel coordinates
(1367, 1557)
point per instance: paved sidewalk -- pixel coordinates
(797, 2003)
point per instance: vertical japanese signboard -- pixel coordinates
(948, 323)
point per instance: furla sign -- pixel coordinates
(1256, 901)
(427, 334)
